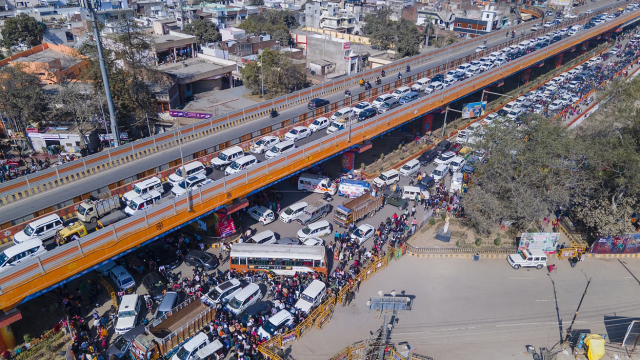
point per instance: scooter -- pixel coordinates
(408, 68)
(378, 81)
(274, 113)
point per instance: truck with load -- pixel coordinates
(353, 210)
(164, 336)
(92, 209)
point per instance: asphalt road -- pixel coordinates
(463, 309)
(63, 193)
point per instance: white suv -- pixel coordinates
(528, 258)
(128, 313)
(387, 178)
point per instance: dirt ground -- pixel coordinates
(426, 237)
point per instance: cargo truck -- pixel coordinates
(353, 210)
(93, 209)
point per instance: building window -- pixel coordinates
(469, 26)
(484, 28)
(459, 25)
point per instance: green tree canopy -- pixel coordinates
(281, 75)
(408, 39)
(204, 30)
(387, 34)
(22, 30)
(275, 23)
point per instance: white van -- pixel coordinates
(222, 293)
(439, 172)
(312, 296)
(122, 278)
(227, 156)
(528, 258)
(400, 92)
(142, 202)
(410, 192)
(380, 100)
(316, 183)
(128, 312)
(279, 149)
(421, 84)
(15, 254)
(144, 187)
(192, 168)
(275, 324)
(410, 168)
(241, 164)
(190, 348)
(41, 229)
(512, 105)
(292, 212)
(264, 237)
(248, 296)
(342, 114)
(317, 229)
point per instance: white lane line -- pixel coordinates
(542, 300)
(520, 278)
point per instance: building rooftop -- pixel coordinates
(48, 56)
(194, 69)
(171, 37)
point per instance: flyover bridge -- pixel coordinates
(39, 274)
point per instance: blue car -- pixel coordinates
(409, 97)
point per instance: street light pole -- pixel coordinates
(262, 76)
(184, 178)
(105, 76)
(444, 127)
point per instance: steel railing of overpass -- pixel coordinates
(39, 274)
(51, 178)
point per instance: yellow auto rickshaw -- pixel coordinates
(70, 233)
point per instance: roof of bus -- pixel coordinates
(272, 250)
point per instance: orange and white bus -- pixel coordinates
(281, 259)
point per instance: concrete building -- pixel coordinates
(196, 75)
(221, 15)
(51, 63)
(329, 16)
(474, 23)
(443, 19)
(173, 47)
(232, 33)
(326, 55)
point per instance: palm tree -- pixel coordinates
(428, 29)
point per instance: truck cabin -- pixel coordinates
(342, 216)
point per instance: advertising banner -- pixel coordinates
(473, 109)
(347, 160)
(547, 242)
(188, 114)
(624, 244)
(227, 227)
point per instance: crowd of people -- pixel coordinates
(12, 167)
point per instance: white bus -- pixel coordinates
(281, 259)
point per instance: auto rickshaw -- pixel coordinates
(70, 233)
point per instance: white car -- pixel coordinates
(535, 27)
(420, 85)
(556, 105)
(433, 87)
(262, 214)
(462, 137)
(444, 158)
(538, 109)
(574, 84)
(514, 114)
(316, 229)
(481, 48)
(548, 24)
(448, 82)
(456, 182)
(363, 233)
(490, 118)
(360, 106)
(457, 163)
(192, 182)
(264, 144)
(319, 124)
(297, 133)
(313, 241)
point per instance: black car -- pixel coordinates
(428, 156)
(120, 346)
(367, 114)
(316, 103)
(502, 112)
(556, 39)
(396, 200)
(426, 182)
(438, 77)
(154, 284)
(162, 255)
(443, 146)
(201, 259)
(589, 26)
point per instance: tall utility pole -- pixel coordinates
(568, 336)
(103, 70)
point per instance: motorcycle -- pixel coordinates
(378, 81)
(408, 68)
(274, 113)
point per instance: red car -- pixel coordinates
(456, 148)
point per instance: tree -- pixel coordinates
(380, 29)
(275, 23)
(204, 30)
(256, 2)
(21, 98)
(428, 29)
(22, 30)
(75, 103)
(281, 75)
(408, 39)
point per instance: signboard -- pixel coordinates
(192, 115)
(288, 338)
(624, 244)
(474, 109)
(346, 45)
(561, 2)
(123, 136)
(227, 227)
(31, 130)
(547, 242)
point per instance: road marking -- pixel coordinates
(542, 300)
(520, 278)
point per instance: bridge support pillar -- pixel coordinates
(427, 122)
(524, 77)
(558, 60)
